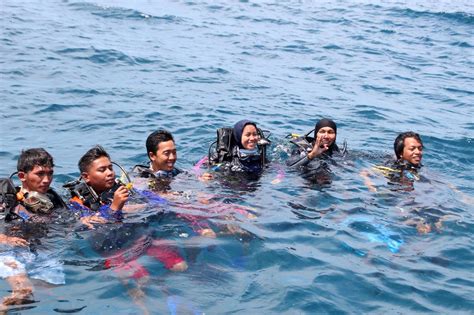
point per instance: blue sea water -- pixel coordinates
(79, 73)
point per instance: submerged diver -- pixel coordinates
(98, 197)
(404, 171)
(27, 210)
(312, 154)
(240, 149)
(155, 180)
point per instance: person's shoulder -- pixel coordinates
(56, 199)
(143, 171)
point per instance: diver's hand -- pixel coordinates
(366, 176)
(206, 176)
(12, 240)
(318, 148)
(89, 221)
(208, 233)
(120, 197)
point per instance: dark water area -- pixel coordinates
(74, 74)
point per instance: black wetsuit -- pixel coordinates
(401, 174)
(33, 226)
(316, 170)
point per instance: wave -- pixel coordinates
(122, 13)
(461, 17)
(103, 56)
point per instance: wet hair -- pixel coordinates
(93, 154)
(155, 138)
(34, 157)
(239, 130)
(399, 143)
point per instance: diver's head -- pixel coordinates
(161, 151)
(246, 134)
(97, 170)
(35, 170)
(326, 129)
(409, 147)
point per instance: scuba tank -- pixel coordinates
(8, 199)
(225, 149)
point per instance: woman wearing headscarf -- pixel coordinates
(240, 149)
(246, 155)
(321, 146)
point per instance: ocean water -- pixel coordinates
(79, 73)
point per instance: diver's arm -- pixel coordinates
(134, 208)
(304, 157)
(366, 176)
(298, 159)
(12, 240)
(89, 221)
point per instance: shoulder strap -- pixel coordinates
(58, 202)
(143, 171)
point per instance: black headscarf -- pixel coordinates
(239, 129)
(325, 122)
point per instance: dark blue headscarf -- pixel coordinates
(239, 130)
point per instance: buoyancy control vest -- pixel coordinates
(399, 171)
(88, 197)
(304, 145)
(144, 171)
(8, 199)
(34, 203)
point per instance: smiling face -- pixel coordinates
(250, 137)
(38, 179)
(165, 156)
(100, 175)
(327, 136)
(412, 151)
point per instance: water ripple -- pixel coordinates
(122, 13)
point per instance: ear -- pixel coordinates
(151, 156)
(22, 176)
(85, 177)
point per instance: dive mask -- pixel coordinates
(37, 202)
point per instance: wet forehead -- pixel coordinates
(249, 129)
(166, 146)
(412, 142)
(39, 169)
(326, 129)
(100, 162)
